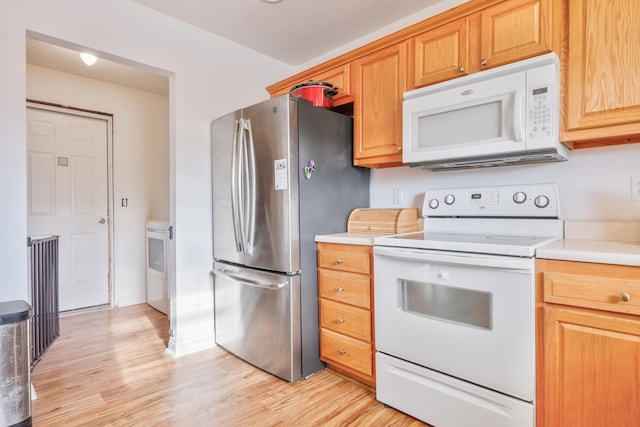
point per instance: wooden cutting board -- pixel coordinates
(383, 221)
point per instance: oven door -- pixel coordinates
(466, 315)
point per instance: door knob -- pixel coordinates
(102, 221)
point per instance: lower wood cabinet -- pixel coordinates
(591, 345)
(346, 310)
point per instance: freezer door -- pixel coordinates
(272, 228)
(224, 152)
(257, 318)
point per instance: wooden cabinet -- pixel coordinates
(379, 80)
(440, 54)
(591, 345)
(500, 34)
(602, 68)
(339, 77)
(346, 309)
(515, 30)
(473, 36)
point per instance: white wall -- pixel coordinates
(593, 185)
(140, 163)
(209, 76)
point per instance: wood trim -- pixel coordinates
(67, 107)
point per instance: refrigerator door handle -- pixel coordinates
(251, 169)
(243, 177)
(238, 277)
(235, 185)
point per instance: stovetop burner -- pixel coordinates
(507, 220)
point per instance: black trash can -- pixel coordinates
(15, 364)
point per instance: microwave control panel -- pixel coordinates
(540, 112)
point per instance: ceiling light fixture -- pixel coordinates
(88, 58)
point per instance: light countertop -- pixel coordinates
(365, 239)
(606, 242)
(599, 251)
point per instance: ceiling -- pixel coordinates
(66, 60)
(292, 31)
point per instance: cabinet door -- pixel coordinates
(514, 30)
(379, 82)
(603, 68)
(591, 368)
(440, 54)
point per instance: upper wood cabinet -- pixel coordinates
(500, 34)
(601, 93)
(379, 80)
(514, 30)
(339, 77)
(475, 35)
(440, 54)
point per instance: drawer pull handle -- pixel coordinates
(340, 289)
(624, 297)
(342, 352)
(339, 261)
(341, 320)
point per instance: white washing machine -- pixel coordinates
(158, 235)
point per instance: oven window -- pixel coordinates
(448, 303)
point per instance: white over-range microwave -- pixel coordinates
(506, 115)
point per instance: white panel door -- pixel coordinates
(68, 196)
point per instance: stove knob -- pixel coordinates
(449, 199)
(519, 197)
(541, 201)
(433, 203)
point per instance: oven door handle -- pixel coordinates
(476, 260)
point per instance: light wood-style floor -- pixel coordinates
(108, 368)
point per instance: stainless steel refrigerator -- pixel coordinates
(282, 173)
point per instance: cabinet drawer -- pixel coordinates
(345, 287)
(346, 351)
(621, 295)
(345, 319)
(353, 258)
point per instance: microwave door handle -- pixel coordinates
(518, 109)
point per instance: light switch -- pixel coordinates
(397, 196)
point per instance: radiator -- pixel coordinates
(45, 324)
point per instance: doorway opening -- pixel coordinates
(138, 101)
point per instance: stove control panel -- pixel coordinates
(534, 200)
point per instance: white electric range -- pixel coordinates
(455, 306)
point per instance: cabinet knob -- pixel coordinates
(399, 148)
(339, 260)
(483, 62)
(341, 320)
(342, 351)
(461, 69)
(340, 289)
(624, 297)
